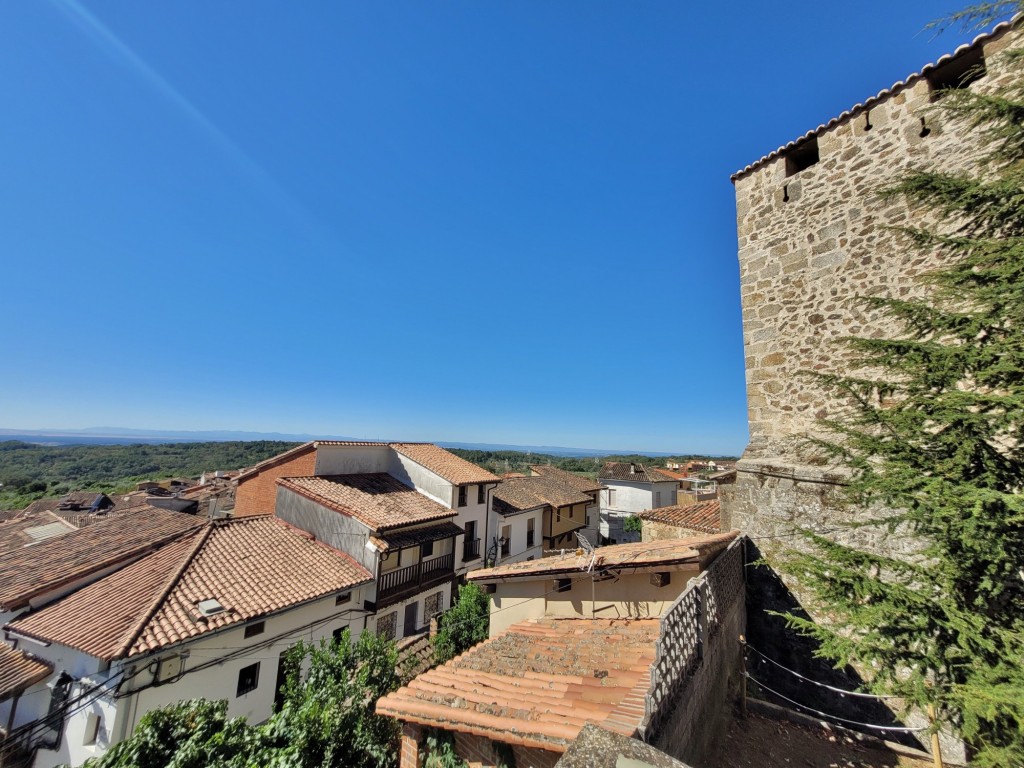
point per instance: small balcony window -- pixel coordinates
(480, 494)
(248, 679)
(462, 495)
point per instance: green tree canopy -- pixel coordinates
(465, 625)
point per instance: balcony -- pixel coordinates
(470, 550)
(400, 583)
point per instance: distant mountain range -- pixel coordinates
(121, 436)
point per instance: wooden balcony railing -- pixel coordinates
(401, 582)
(470, 550)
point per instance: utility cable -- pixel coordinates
(874, 726)
(841, 691)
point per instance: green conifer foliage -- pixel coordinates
(934, 436)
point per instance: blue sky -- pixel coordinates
(504, 222)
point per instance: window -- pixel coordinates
(506, 540)
(802, 156)
(338, 633)
(248, 679)
(344, 597)
(256, 628)
(480, 499)
(957, 73)
(432, 605)
(426, 549)
(462, 495)
(563, 585)
(657, 499)
(387, 625)
(93, 723)
(611, 497)
(530, 532)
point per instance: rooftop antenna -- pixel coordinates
(588, 550)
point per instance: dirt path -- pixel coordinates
(760, 742)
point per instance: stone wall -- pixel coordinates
(811, 241)
(696, 670)
(814, 234)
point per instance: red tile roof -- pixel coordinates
(253, 566)
(447, 465)
(29, 572)
(19, 670)
(579, 482)
(29, 529)
(998, 31)
(518, 494)
(636, 473)
(376, 499)
(667, 554)
(439, 461)
(703, 516)
(538, 683)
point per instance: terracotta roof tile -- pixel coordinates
(998, 31)
(19, 670)
(517, 494)
(667, 553)
(31, 571)
(538, 683)
(29, 529)
(637, 473)
(252, 566)
(579, 482)
(441, 462)
(703, 516)
(376, 499)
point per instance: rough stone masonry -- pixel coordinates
(813, 235)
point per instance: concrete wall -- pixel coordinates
(565, 519)
(257, 494)
(333, 528)
(516, 601)
(422, 479)
(423, 600)
(631, 596)
(352, 459)
(518, 523)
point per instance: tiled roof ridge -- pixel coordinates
(134, 632)
(995, 33)
(485, 476)
(130, 556)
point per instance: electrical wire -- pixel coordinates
(874, 726)
(841, 691)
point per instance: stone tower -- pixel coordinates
(812, 236)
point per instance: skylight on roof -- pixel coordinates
(48, 531)
(210, 607)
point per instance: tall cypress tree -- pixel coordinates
(933, 434)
